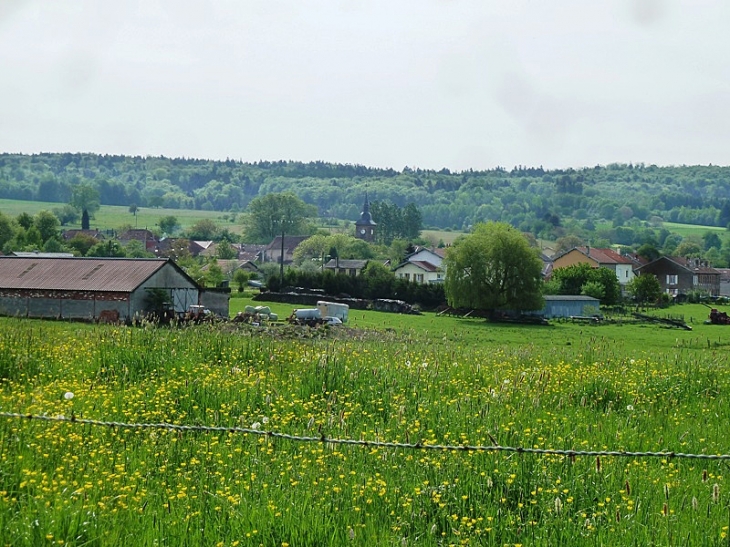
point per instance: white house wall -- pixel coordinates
(412, 270)
(624, 273)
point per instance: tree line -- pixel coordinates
(546, 203)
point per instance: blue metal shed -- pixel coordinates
(569, 306)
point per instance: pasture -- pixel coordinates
(111, 217)
(692, 229)
(420, 381)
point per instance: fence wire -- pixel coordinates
(364, 443)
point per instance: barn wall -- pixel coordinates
(181, 289)
(216, 300)
(13, 306)
(62, 304)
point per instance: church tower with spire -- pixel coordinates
(365, 226)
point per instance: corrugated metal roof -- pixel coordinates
(77, 274)
(41, 254)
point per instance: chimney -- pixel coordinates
(588, 250)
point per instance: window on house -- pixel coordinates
(671, 279)
(407, 276)
(418, 278)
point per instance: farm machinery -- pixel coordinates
(718, 317)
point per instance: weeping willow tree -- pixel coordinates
(494, 268)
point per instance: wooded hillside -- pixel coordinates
(532, 199)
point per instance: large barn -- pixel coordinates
(92, 288)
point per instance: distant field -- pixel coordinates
(440, 235)
(114, 216)
(691, 229)
(675, 227)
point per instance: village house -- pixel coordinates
(622, 266)
(346, 266)
(144, 236)
(273, 251)
(422, 266)
(724, 281)
(249, 252)
(169, 247)
(419, 271)
(72, 233)
(678, 276)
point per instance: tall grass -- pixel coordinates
(64, 483)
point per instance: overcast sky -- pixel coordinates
(420, 83)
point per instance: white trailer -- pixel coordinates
(306, 314)
(333, 309)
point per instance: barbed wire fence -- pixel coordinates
(364, 443)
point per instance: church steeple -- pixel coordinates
(365, 226)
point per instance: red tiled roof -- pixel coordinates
(77, 274)
(426, 266)
(290, 242)
(604, 256)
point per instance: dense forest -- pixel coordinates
(546, 203)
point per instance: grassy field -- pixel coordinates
(419, 379)
(436, 236)
(690, 229)
(677, 228)
(113, 216)
(623, 330)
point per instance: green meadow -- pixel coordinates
(691, 229)
(111, 217)
(417, 381)
(683, 230)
